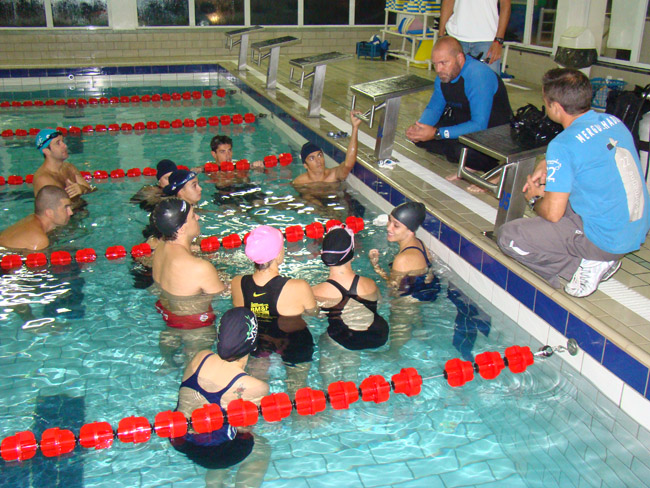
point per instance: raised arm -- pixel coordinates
(343, 169)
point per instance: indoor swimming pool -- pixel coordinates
(102, 358)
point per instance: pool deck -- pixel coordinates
(618, 311)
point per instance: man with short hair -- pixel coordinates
(479, 25)
(468, 97)
(313, 160)
(52, 209)
(589, 194)
(221, 150)
(187, 283)
(56, 171)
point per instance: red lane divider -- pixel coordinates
(124, 99)
(293, 233)
(273, 408)
(138, 127)
(100, 174)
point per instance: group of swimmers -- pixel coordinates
(267, 308)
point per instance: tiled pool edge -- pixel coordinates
(619, 376)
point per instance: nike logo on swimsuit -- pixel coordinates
(255, 295)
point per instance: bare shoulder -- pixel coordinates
(301, 179)
(366, 286)
(409, 260)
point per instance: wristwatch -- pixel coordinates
(500, 40)
(533, 201)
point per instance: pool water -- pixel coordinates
(100, 360)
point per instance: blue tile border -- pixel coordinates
(624, 366)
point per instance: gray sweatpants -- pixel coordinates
(550, 249)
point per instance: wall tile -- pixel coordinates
(450, 238)
(625, 367)
(521, 290)
(471, 253)
(494, 270)
(550, 311)
(610, 385)
(592, 342)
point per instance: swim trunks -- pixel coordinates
(187, 322)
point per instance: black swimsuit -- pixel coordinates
(374, 336)
(416, 286)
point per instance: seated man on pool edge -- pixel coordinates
(219, 379)
(56, 171)
(52, 209)
(180, 274)
(313, 160)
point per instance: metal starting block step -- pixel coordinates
(273, 45)
(242, 35)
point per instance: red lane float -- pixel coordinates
(60, 258)
(11, 261)
(86, 255)
(116, 252)
(35, 260)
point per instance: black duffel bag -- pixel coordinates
(532, 128)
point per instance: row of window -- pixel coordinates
(86, 13)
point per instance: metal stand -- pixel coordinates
(274, 46)
(518, 163)
(319, 63)
(389, 92)
(243, 43)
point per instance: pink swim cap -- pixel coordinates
(264, 244)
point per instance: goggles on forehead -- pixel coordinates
(350, 247)
(50, 137)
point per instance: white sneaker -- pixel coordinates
(586, 279)
(610, 272)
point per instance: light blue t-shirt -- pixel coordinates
(594, 159)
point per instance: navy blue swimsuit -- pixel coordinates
(416, 286)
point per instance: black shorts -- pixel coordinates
(217, 457)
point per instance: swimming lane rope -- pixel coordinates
(293, 233)
(140, 127)
(273, 408)
(124, 99)
(270, 161)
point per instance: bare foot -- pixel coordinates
(452, 177)
(476, 189)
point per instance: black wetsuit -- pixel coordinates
(287, 336)
(374, 336)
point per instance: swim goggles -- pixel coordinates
(350, 247)
(175, 187)
(50, 137)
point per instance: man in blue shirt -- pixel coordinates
(589, 195)
(468, 97)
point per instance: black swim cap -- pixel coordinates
(177, 180)
(170, 215)
(237, 334)
(307, 149)
(338, 246)
(411, 214)
(165, 166)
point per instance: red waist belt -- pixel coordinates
(187, 322)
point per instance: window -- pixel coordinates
(22, 13)
(327, 12)
(163, 13)
(278, 12)
(77, 13)
(219, 12)
(371, 12)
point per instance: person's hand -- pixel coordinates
(257, 165)
(538, 178)
(494, 53)
(356, 121)
(533, 188)
(419, 132)
(373, 255)
(73, 189)
(198, 169)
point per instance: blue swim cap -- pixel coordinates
(45, 137)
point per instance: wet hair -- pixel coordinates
(568, 87)
(48, 197)
(411, 214)
(169, 216)
(338, 246)
(218, 141)
(262, 266)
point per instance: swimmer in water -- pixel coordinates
(413, 258)
(52, 209)
(349, 300)
(221, 150)
(187, 284)
(278, 302)
(56, 171)
(148, 196)
(219, 379)
(184, 184)
(313, 160)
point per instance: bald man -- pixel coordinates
(468, 97)
(52, 208)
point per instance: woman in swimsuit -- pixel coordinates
(219, 379)
(350, 302)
